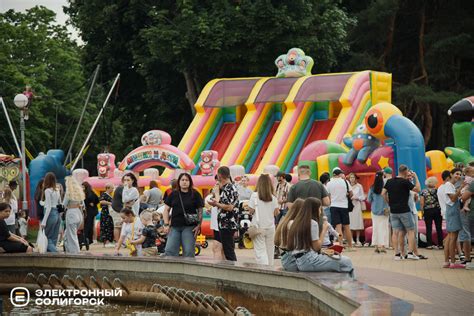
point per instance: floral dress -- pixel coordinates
(106, 222)
(229, 196)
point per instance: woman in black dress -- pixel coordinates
(106, 222)
(90, 202)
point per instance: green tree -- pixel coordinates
(36, 51)
(167, 51)
(427, 46)
(206, 39)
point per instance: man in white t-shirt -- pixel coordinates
(339, 190)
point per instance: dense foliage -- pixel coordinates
(34, 51)
(428, 47)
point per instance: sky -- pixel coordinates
(53, 5)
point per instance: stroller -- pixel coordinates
(244, 219)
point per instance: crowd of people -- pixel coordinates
(300, 223)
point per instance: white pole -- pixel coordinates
(95, 123)
(82, 114)
(11, 127)
(24, 205)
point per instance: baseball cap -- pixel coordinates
(336, 171)
(280, 174)
(388, 170)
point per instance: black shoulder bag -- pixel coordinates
(350, 205)
(189, 219)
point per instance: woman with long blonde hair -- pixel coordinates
(74, 202)
(264, 206)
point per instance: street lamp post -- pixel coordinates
(21, 102)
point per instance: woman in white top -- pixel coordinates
(303, 240)
(355, 217)
(51, 220)
(9, 197)
(130, 195)
(74, 202)
(264, 206)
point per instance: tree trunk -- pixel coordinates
(425, 108)
(428, 124)
(191, 93)
(421, 48)
(389, 45)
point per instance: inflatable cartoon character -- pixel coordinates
(294, 64)
(105, 165)
(361, 145)
(462, 112)
(9, 169)
(153, 138)
(209, 162)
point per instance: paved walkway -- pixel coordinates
(432, 289)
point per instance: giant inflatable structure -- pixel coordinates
(276, 123)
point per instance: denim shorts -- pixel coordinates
(402, 221)
(465, 232)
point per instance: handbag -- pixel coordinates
(189, 219)
(42, 241)
(253, 231)
(131, 247)
(350, 205)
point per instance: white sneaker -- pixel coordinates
(110, 245)
(398, 257)
(412, 256)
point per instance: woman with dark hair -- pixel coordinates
(186, 218)
(10, 242)
(51, 221)
(90, 202)
(304, 241)
(130, 195)
(380, 213)
(38, 197)
(227, 204)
